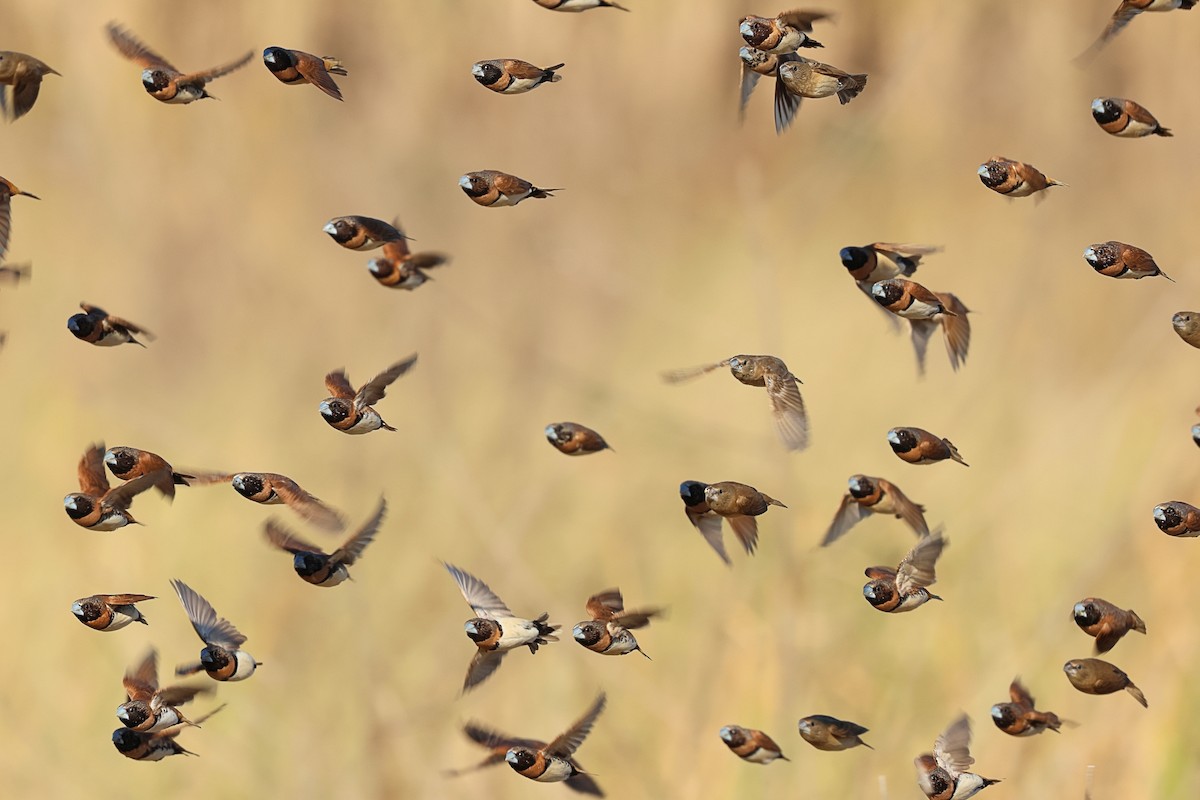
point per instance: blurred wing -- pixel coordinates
(922, 329)
(749, 81)
(427, 260)
(129, 46)
(1107, 639)
(483, 601)
(893, 320)
(209, 627)
(802, 20)
(5, 219)
(606, 604)
(178, 695)
(482, 666)
(895, 250)
(1020, 695)
(566, 743)
(284, 539)
(679, 375)
(124, 323)
(956, 329)
(337, 383)
(216, 72)
(373, 391)
(880, 573)
(122, 496)
(746, 530)
(917, 569)
(583, 784)
(490, 738)
(123, 599)
(92, 479)
(844, 730)
(633, 620)
(907, 510)
(787, 103)
(709, 525)
(353, 548)
(848, 515)
(25, 94)
(306, 505)
(198, 478)
(790, 418)
(953, 748)
(142, 682)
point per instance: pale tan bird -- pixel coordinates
(23, 74)
(8, 191)
(805, 78)
(791, 420)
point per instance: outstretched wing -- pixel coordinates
(680, 375)
(129, 46)
(353, 548)
(566, 743)
(209, 627)
(483, 601)
(373, 390)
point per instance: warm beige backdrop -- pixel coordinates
(679, 238)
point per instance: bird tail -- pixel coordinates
(771, 501)
(333, 66)
(1136, 622)
(858, 83)
(810, 42)
(545, 630)
(142, 619)
(180, 479)
(550, 75)
(611, 4)
(954, 453)
(543, 193)
(1137, 694)
(1161, 131)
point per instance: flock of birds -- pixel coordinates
(150, 717)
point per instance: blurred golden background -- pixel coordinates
(680, 238)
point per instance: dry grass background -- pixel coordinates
(680, 238)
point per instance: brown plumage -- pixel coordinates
(1119, 260)
(785, 33)
(24, 74)
(1020, 717)
(270, 488)
(160, 78)
(909, 299)
(751, 745)
(756, 63)
(1105, 622)
(8, 191)
(608, 630)
(127, 463)
(830, 733)
(109, 612)
(787, 406)
(1093, 676)
(956, 331)
(739, 504)
(943, 774)
(1014, 178)
(350, 410)
(98, 327)
(148, 706)
(1125, 118)
(868, 495)
(1187, 325)
(362, 233)
(805, 78)
(496, 189)
(578, 5)
(919, 446)
(904, 588)
(1177, 518)
(513, 76)
(398, 267)
(574, 439)
(295, 67)
(316, 566)
(98, 507)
